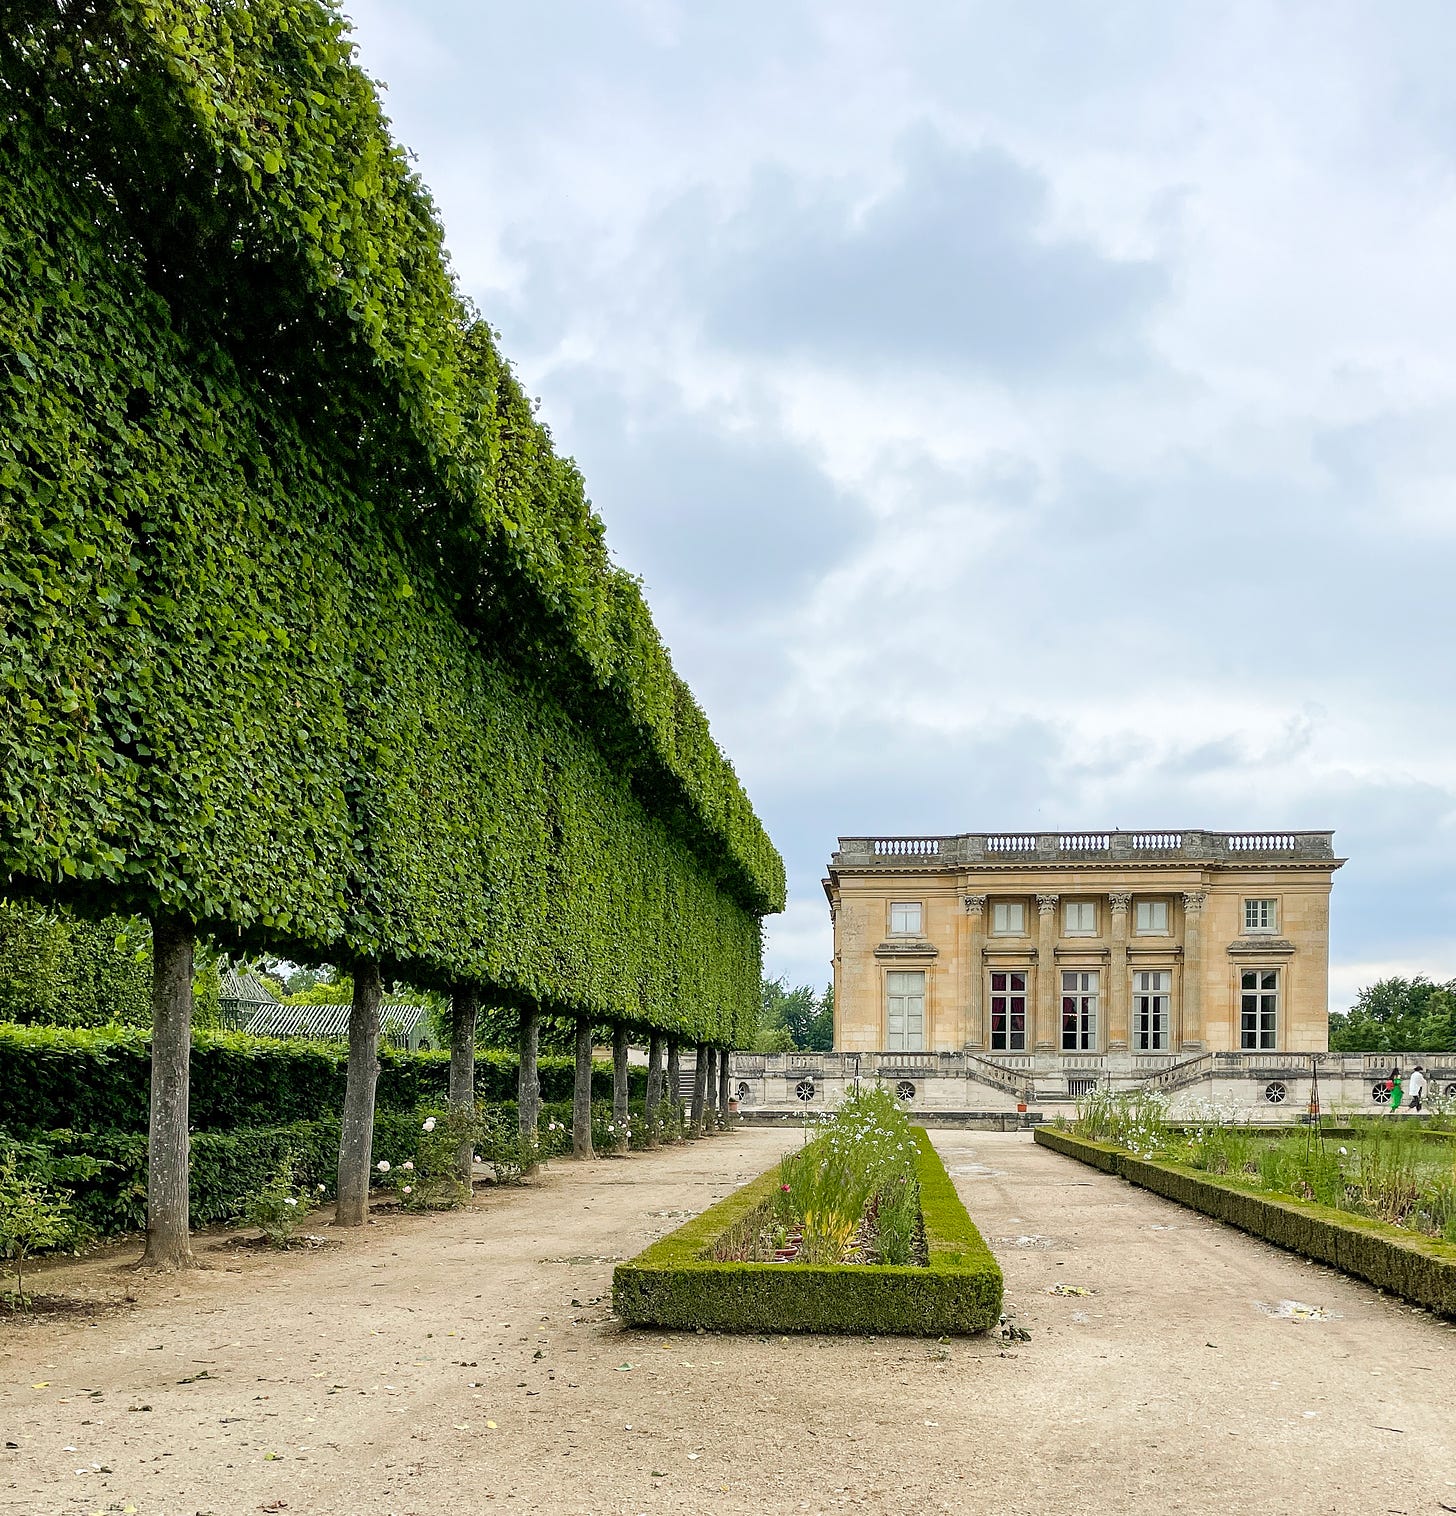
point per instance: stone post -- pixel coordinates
(975, 942)
(1192, 1028)
(1048, 1021)
(1119, 991)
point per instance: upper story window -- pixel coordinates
(1151, 917)
(905, 916)
(1261, 915)
(1079, 918)
(1258, 1009)
(1008, 917)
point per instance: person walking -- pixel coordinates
(1395, 1089)
(1417, 1087)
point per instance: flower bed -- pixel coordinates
(1417, 1268)
(720, 1273)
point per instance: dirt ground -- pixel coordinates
(467, 1362)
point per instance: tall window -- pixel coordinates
(1008, 917)
(1258, 1009)
(1151, 917)
(1008, 1011)
(1079, 918)
(905, 916)
(1260, 915)
(1079, 1011)
(905, 1004)
(1151, 999)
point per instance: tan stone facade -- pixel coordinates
(1138, 948)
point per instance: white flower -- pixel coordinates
(289, 1200)
(409, 1164)
(1343, 1152)
(382, 1165)
(475, 1158)
(321, 1189)
(429, 1123)
(406, 1190)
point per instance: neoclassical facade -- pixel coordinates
(1052, 949)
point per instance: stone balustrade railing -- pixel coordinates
(1081, 847)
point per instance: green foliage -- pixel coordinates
(793, 1020)
(1398, 1016)
(676, 1283)
(234, 362)
(858, 1172)
(278, 1207)
(431, 1180)
(1419, 1269)
(51, 1075)
(33, 1218)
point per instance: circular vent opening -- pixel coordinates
(904, 1090)
(1379, 1094)
(1275, 1092)
(804, 1090)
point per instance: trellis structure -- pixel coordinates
(311, 640)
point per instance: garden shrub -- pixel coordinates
(51, 1076)
(675, 1283)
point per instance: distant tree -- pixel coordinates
(1398, 1015)
(792, 1020)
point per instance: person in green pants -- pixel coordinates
(1395, 1089)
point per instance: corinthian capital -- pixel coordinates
(1120, 900)
(1193, 901)
(974, 904)
(1047, 904)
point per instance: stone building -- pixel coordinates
(1107, 950)
(996, 978)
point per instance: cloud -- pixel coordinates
(951, 265)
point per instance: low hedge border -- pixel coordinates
(50, 1077)
(675, 1284)
(1419, 1269)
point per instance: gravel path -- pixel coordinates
(364, 1379)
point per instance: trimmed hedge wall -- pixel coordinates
(311, 637)
(675, 1284)
(1419, 1269)
(56, 1077)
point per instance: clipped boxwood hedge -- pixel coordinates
(57, 1077)
(1419, 1269)
(675, 1283)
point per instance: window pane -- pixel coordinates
(1271, 979)
(1018, 982)
(1249, 980)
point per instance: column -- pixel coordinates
(1118, 988)
(1193, 971)
(1048, 1021)
(975, 1001)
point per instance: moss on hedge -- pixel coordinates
(675, 1282)
(1418, 1269)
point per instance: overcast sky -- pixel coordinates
(1021, 416)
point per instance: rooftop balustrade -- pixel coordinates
(1081, 847)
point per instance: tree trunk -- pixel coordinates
(169, 1245)
(725, 1085)
(621, 1110)
(700, 1090)
(653, 1100)
(356, 1148)
(464, 1008)
(581, 1139)
(710, 1093)
(674, 1088)
(528, 1090)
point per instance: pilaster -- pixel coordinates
(1192, 1038)
(1047, 1020)
(1118, 988)
(975, 971)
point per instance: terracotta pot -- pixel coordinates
(732, 1105)
(1021, 1105)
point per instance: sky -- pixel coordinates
(1021, 417)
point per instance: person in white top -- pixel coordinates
(1417, 1087)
